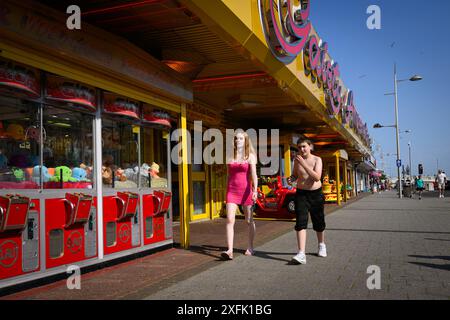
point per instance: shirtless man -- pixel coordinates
(309, 197)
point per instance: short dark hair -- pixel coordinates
(304, 139)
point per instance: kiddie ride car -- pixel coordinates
(278, 203)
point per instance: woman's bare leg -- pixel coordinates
(248, 212)
(231, 218)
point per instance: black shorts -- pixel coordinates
(311, 201)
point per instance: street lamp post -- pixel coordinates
(397, 134)
(410, 163)
(377, 125)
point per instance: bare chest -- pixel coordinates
(310, 163)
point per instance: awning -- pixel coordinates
(365, 167)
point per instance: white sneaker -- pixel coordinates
(300, 258)
(322, 250)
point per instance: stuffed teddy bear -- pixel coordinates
(45, 175)
(16, 131)
(106, 175)
(154, 170)
(120, 175)
(66, 175)
(79, 174)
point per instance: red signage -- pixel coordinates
(75, 242)
(287, 31)
(65, 90)
(121, 106)
(124, 233)
(19, 77)
(9, 252)
(156, 117)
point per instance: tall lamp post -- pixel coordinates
(377, 125)
(410, 165)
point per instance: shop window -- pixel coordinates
(110, 234)
(149, 227)
(199, 197)
(154, 158)
(56, 243)
(120, 154)
(68, 149)
(196, 151)
(19, 144)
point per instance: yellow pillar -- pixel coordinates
(345, 180)
(287, 160)
(184, 183)
(338, 180)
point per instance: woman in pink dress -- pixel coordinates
(242, 187)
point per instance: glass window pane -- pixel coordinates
(19, 143)
(120, 154)
(68, 151)
(56, 243)
(199, 197)
(154, 158)
(149, 227)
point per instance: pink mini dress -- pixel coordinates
(239, 188)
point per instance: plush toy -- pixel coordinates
(106, 175)
(16, 131)
(45, 175)
(79, 174)
(66, 175)
(19, 174)
(120, 175)
(154, 170)
(19, 160)
(88, 170)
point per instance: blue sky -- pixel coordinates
(414, 34)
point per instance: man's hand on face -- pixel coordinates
(301, 161)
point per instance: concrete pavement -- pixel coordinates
(408, 239)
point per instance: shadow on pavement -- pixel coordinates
(437, 239)
(214, 251)
(430, 257)
(399, 231)
(432, 265)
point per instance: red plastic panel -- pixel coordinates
(73, 238)
(14, 212)
(130, 202)
(157, 220)
(11, 250)
(111, 212)
(78, 208)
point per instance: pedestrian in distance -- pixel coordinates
(441, 180)
(419, 186)
(242, 185)
(308, 198)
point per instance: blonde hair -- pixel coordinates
(248, 147)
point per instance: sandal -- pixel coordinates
(249, 252)
(226, 256)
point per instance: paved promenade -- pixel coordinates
(408, 239)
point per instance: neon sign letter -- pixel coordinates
(286, 27)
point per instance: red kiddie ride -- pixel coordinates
(279, 202)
